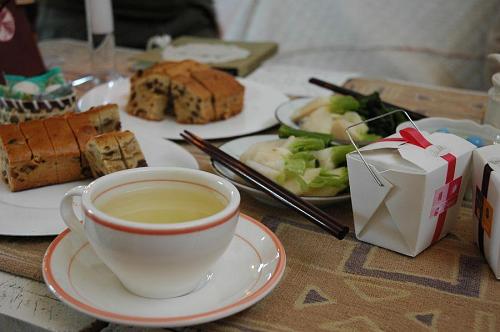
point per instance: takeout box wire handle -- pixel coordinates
(375, 177)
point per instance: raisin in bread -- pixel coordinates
(192, 101)
(104, 155)
(107, 117)
(130, 149)
(149, 91)
(150, 95)
(83, 130)
(226, 91)
(16, 165)
(66, 148)
(43, 154)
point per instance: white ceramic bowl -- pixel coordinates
(155, 260)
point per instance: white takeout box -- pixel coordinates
(402, 215)
(486, 203)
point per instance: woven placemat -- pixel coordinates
(23, 256)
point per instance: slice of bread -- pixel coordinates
(149, 106)
(104, 155)
(227, 92)
(108, 116)
(149, 92)
(83, 130)
(130, 149)
(66, 149)
(16, 163)
(192, 101)
(43, 154)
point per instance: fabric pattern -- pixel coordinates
(349, 285)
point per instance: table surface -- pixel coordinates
(328, 284)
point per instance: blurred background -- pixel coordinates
(441, 42)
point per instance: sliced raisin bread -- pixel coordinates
(192, 101)
(227, 92)
(108, 117)
(150, 94)
(149, 91)
(16, 163)
(83, 130)
(66, 149)
(42, 151)
(104, 155)
(130, 149)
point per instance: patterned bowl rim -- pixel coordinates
(71, 97)
(62, 102)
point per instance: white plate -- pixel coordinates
(258, 112)
(237, 147)
(461, 128)
(35, 212)
(250, 268)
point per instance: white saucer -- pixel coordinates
(260, 101)
(249, 270)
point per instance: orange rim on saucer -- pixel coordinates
(227, 310)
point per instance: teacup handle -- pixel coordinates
(68, 213)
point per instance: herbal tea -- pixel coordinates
(172, 202)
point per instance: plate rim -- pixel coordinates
(279, 110)
(176, 321)
(242, 80)
(256, 191)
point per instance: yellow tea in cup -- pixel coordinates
(162, 202)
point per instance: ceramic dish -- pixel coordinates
(463, 128)
(257, 114)
(237, 147)
(249, 270)
(285, 111)
(36, 211)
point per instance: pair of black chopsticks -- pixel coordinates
(273, 189)
(352, 93)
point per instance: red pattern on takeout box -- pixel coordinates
(446, 196)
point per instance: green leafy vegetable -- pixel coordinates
(341, 104)
(334, 156)
(337, 178)
(305, 144)
(297, 163)
(370, 137)
(339, 154)
(372, 106)
(285, 132)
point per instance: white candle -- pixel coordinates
(100, 16)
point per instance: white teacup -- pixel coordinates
(154, 260)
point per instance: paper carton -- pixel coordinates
(422, 177)
(486, 203)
